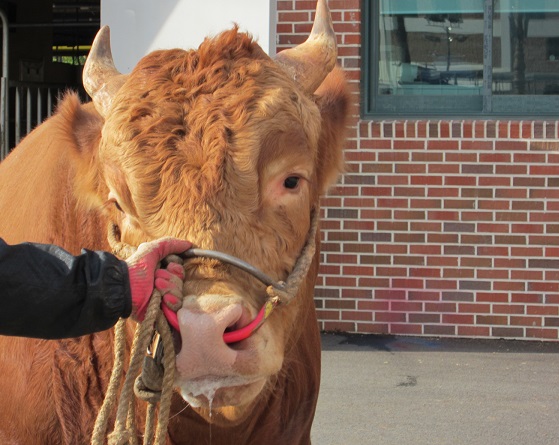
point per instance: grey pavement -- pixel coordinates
(424, 391)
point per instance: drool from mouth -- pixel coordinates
(218, 391)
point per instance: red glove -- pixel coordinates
(141, 270)
(169, 282)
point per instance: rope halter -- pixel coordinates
(155, 383)
(278, 292)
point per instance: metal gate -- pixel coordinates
(4, 119)
(33, 104)
(25, 104)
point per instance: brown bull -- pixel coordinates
(222, 146)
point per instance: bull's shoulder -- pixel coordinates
(38, 187)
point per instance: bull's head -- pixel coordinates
(230, 149)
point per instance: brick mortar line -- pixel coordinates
(373, 298)
(542, 317)
(418, 267)
(524, 292)
(442, 278)
(458, 243)
(428, 163)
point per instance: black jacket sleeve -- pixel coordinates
(47, 293)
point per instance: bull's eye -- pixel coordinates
(117, 205)
(291, 182)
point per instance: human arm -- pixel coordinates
(45, 292)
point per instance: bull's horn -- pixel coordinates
(310, 62)
(101, 79)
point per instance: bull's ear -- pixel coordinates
(333, 100)
(81, 127)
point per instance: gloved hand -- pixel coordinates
(169, 282)
(141, 270)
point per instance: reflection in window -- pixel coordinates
(461, 57)
(431, 47)
(526, 35)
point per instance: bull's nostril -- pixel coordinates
(239, 321)
(232, 327)
(246, 328)
(232, 342)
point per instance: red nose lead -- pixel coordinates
(245, 332)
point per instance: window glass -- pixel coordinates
(461, 57)
(526, 47)
(431, 47)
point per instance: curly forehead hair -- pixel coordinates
(225, 67)
(186, 110)
(221, 60)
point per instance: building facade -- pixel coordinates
(446, 222)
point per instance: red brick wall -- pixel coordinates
(439, 228)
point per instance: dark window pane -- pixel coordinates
(526, 47)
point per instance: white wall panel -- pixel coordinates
(141, 26)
